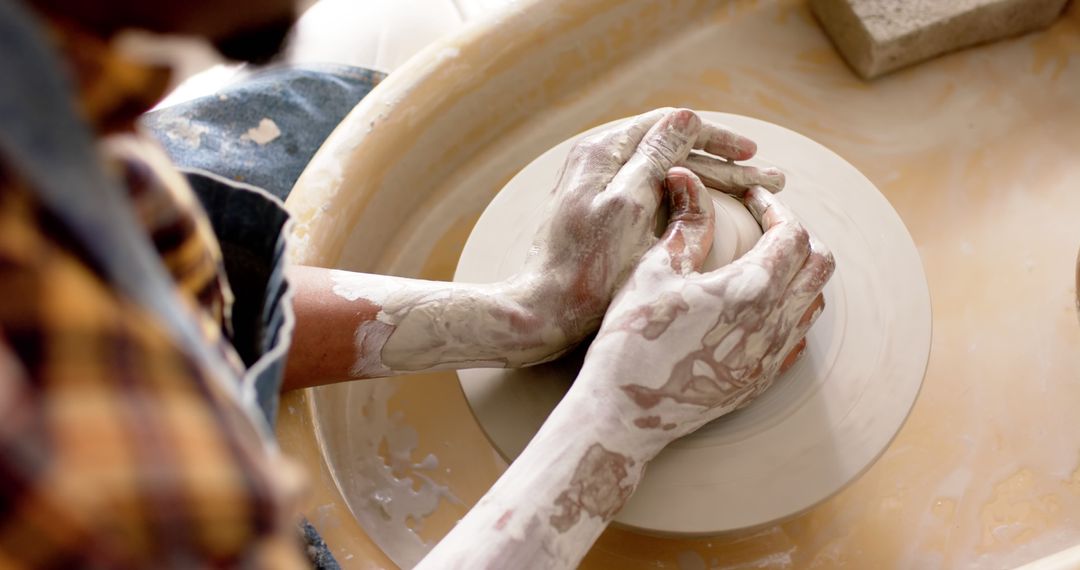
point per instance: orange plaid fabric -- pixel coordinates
(116, 450)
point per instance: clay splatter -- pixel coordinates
(266, 132)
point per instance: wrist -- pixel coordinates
(539, 317)
(601, 393)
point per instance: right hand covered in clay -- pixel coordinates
(679, 348)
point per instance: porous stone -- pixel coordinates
(879, 36)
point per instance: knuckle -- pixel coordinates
(653, 268)
(610, 204)
(658, 153)
(586, 146)
(753, 285)
(800, 235)
(695, 220)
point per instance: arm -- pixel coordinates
(712, 342)
(352, 325)
(396, 325)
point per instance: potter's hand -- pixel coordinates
(680, 348)
(355, 325)
(603, 210)
(677, 349)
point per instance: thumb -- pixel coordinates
(688, 237)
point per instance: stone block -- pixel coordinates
(879, 36)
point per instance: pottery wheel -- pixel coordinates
(820, 426)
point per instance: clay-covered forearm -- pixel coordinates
(553, 502)
(356, 325)
(601, 220)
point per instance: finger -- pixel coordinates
(732, 178)
(600, 155)
(815, 273)
(813, 311)
(666, 144)
(796, 344)
(717, 140)
(622, 140)
(804, 294)
(688, 237)
(799, 316)
(784, 245)
(793, 355)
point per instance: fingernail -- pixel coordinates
(793, 356)
(813, 311)
(676, 181)
(683, 119)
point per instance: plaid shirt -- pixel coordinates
(116, 450)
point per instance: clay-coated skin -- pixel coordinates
(601, 220)
(709, 342)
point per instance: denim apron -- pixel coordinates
(242, 181)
